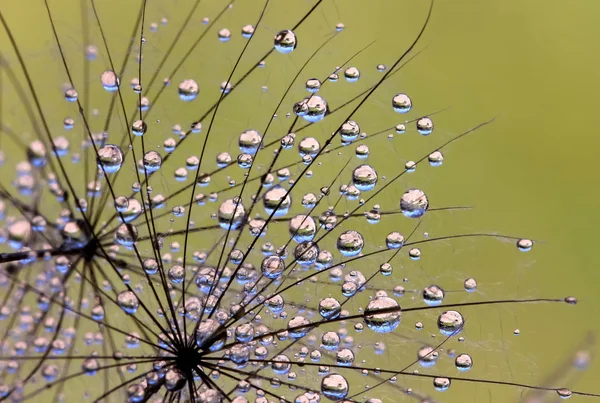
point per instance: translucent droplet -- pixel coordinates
(382, 322)
(110, 158)
(414, 203)
(401, 103)
(285, 41)
(128, 302)
(334, 387)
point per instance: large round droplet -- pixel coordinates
(350, 243)
(433, 295)
(152, 161)
(277, 201)
(364, 177)
(330, 308)
(188, 90)
(312, 109)
(401, 103)
(110, 158)
(302, 228)
(450, 323)
(205, 335)
(285, 41)
(334, 387)
(414, 203)
(306, 253)
(110, 81)
(128, 302)
(272, 267)
(231, 214)
(249, 141)
(384, 322)
(126, 235)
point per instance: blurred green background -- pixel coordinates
(530, 64)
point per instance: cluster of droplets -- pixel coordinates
(235, 310)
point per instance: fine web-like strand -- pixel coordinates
(226, 324)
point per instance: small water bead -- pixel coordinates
(196, 127)
(362, 151)
(139, 128)
(61, 146)
(225, 87)
(433, 295)
(516, 332)
(110, 158)
(470, 285)
(71, 95)
(386, 269)
(169, 145)
(249, 141)
(180, 174)
(333, 77)
(126, 235)
(349, 131)
(224, 35)
(247, 31)
(277, 201)
(382, 322)
(425, 126)
(414, 203)
(364, 177)
(436, 159)
(91, 52)
(441, 384)
(143, 104)
(110, 81)
(564, 393)
(231, 214)
(352, 74)
(50, 372)
(128, 302)
(174, 380)
(450, 323)
(36, 154)
(285, 41)
(330, 308)
(524, 245)
(401, 103)
(463, 362)
(394, 240)
(176, 274)
(150, 266)
(272, 267)
(334, 387)
(90, 366)
(313, 85)
(188, 90)
(68, 123)
(400, 128)
(302, 228)
(381, 67)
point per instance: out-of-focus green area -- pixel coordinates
(530, 64)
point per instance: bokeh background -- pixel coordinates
(530, 64)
